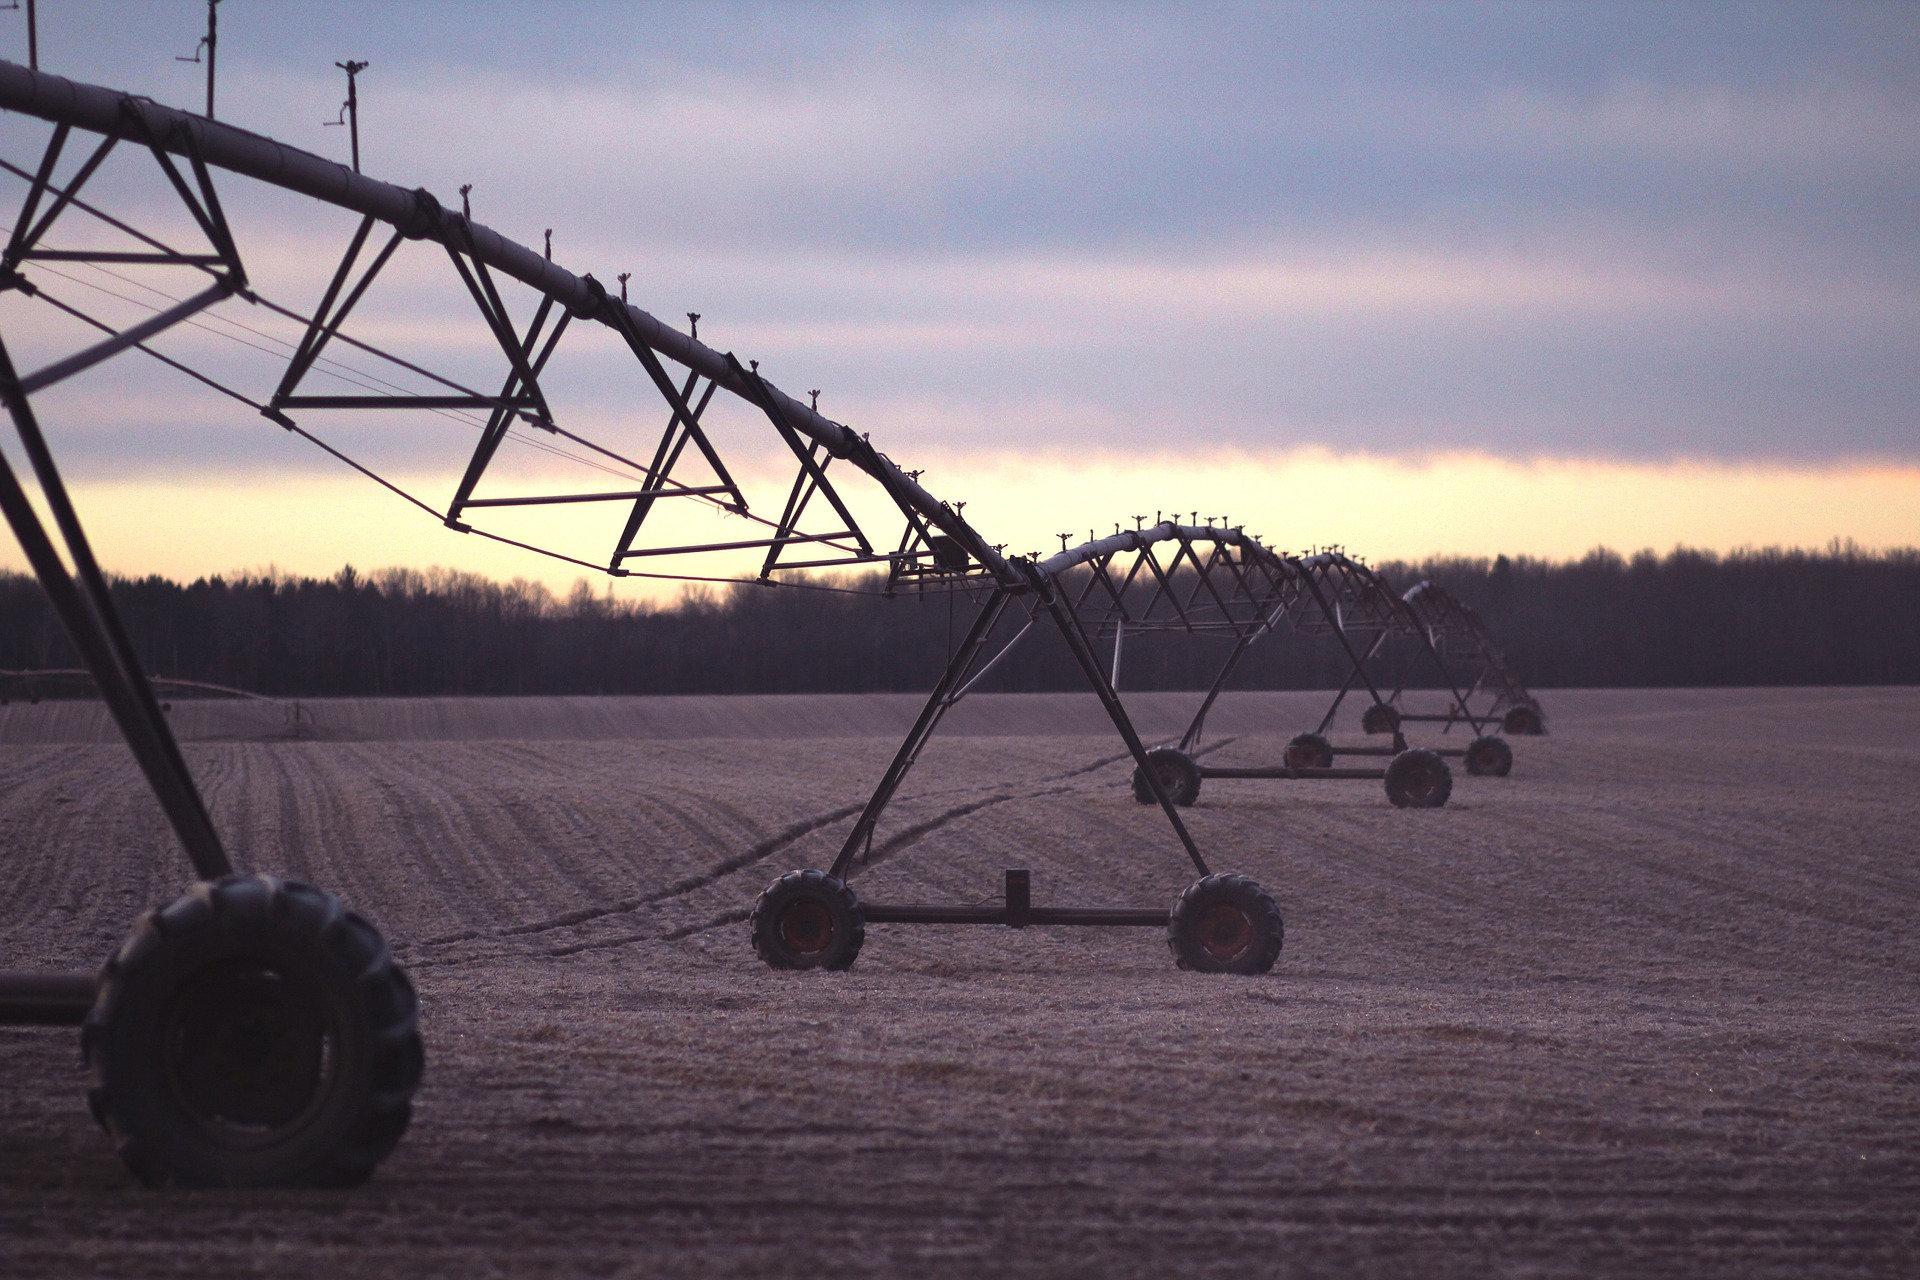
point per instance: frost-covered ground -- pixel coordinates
(1651, 1005)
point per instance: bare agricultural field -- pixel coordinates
(1648, 1006)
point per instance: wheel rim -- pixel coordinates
(1225, 933)
(246, 1049)
(1424, 783)
(806, 926)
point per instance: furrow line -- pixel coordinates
(764, 849)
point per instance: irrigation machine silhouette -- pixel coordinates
(256, 1030)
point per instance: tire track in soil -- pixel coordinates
(895, 844)
(493, 833)
(916, 831)
(901, 840)
(764, 849)
(435, 817)
(1100, 841)
(755, 854)
(594, 841)
(759, 852)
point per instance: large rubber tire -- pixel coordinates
(1178, 773)
(1380, 718)
(808, 920)
(253, 1032)
(1225, 924)
(1418, 779)
(1489, 757)
(1309, 751)
(1523, 722)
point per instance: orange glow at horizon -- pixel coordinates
(1380, 508)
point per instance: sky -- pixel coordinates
(1410, 279)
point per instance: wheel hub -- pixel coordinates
(806, 926)
(1225, 932)
(245, 1047)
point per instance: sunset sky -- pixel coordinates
(1411, 279)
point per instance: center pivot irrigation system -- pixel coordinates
(1458, 636)
(256, 1031)
(1242, 589)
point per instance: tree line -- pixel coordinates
(1688, 618)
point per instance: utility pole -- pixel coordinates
(211, 43)
(350, 109)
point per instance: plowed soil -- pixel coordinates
(1646, 1007)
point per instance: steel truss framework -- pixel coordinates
(1218, 579)
(1458, 634)
(1367, 608)
(935, 550)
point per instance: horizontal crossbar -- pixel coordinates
(1389, 751)
(551, 498)
(405, 402)
(29, 999)
(838, 563)
(876, 913)
(1282, 771)
(90, 255)
(736, 546)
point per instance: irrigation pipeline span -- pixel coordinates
(418, 215)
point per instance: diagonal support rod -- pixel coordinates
(1090, 665)
(87, 612)
(935, 707)
(808, 463)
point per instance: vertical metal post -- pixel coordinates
(353, 70)
(210, 42)
(1019, 895)
(33, 38)
(213, 46)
